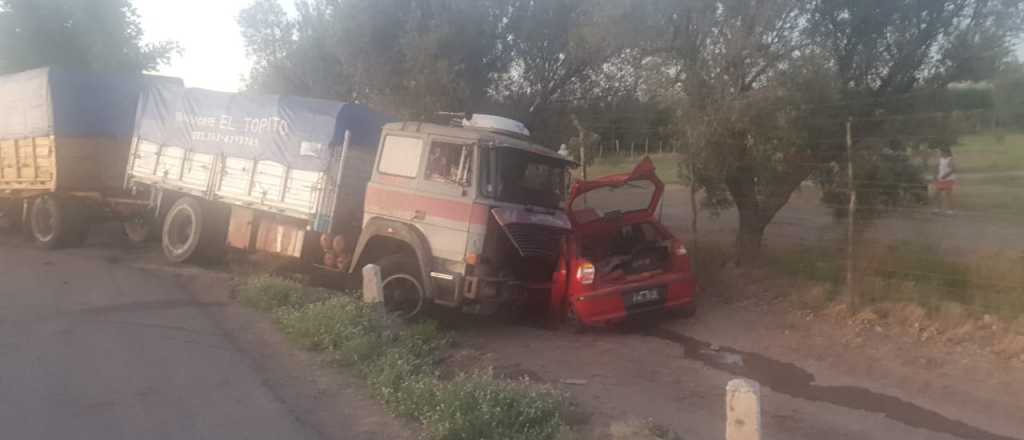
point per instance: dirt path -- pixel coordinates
(105, 343)
(821, 380)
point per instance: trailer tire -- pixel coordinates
(56, 222)
(194, 231)
(139, 232)
(404, 293)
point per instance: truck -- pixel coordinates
(466, 214)
(64, 138)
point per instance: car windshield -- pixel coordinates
(525, 178)
(598, 203)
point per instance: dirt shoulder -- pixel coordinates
(823, 377)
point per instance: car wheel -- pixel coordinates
(571, 321)
(688, 311)
(401, 284)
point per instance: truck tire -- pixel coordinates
(56, 222)
(404, 294)
(194, 231)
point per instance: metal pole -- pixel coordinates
(852, 187)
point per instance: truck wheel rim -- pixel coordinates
(179, 232)
(44, 222)
(403, 295)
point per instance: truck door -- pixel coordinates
(446, 186)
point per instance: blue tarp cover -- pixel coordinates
(44, 102)
(296, 132)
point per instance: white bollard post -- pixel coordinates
(743, 410)
(373, 292)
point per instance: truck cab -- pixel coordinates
(468, 215)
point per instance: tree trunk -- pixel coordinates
(749, 237)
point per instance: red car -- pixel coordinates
(620, 261)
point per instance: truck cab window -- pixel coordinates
(450, 163)
(400, 156)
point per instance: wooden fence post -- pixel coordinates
(852, 188)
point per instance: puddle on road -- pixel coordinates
(791, 380)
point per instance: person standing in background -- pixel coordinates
(945, 181)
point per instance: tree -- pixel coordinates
(96, 35)
(1008, 93)
(412, 58)
(769, 83)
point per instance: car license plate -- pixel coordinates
(647, 296)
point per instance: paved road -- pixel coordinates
(93, 349)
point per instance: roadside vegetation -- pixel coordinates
(916, 273)
(403, 366)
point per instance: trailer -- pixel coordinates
(252, 172)
(64, 141)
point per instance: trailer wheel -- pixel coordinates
(138, 231)
(56, 222)
(403, 290)
(194, 231)
(10, 215)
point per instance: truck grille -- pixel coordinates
(535, 241)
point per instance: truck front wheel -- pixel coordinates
(194, 231)
(403, 290)
(54, 222)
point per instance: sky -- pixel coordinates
(213, 53)
(207, 30)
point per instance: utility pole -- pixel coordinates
(852, 188)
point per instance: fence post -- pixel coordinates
(373, 293)
(852, 188)
(743, 410)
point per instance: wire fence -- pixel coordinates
(963, 245)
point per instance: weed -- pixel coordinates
(400, 365)
(268, 293)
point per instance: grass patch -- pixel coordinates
(916, 273)
(997, 197)
(667, 166)
(267, 294)
(990, 153)
(401, 365)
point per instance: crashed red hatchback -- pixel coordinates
(619, 261)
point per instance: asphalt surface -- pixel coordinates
(94, 349)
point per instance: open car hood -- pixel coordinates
(580, 211)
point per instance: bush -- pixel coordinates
(400, 364)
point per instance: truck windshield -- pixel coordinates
(524, 178)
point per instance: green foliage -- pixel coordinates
(400, 364)
(268, 294)
(100, 35)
